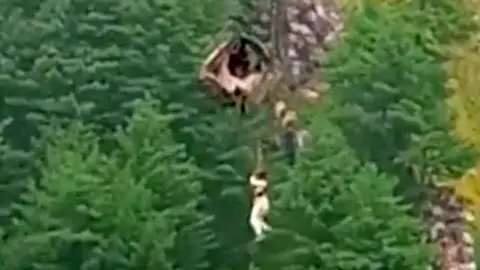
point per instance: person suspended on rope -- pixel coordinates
(261, 205)
(288, 124)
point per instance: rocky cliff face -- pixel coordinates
(298, 33)
(449, 225)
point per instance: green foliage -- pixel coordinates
(389, 92)
(137, 208)
(477, 249)
(166, 188)
(335, 213)
(15, 166)
(462, 83)
(89, 60)
(442, 22)
(223, 145)
(114, 49)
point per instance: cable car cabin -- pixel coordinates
(236, 70)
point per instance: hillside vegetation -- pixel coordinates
(113, 156)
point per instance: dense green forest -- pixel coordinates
(113, 156)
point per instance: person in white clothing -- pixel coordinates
(261, 205)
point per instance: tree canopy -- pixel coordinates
(113, 156)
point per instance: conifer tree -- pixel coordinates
(89, 60)
(6, 183)
(114, 49)
(390, 85)
(465, 100)
(464, 63)
(390, 93)
(139, 207)
(333, 212)
(224, 146)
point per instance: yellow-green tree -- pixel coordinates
(463, 71)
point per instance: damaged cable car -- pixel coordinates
(237, 70)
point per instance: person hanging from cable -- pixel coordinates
(260, 205)
(258, 181)
(290, 136)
